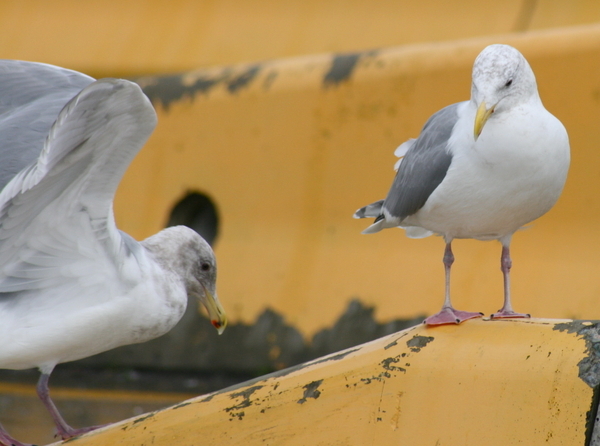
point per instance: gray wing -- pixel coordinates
(56, 222)
(31, 96)
(424, 165)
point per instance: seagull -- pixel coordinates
(71, 284)
(480, 169)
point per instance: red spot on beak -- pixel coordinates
(216, 324)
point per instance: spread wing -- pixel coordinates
(56, 222)
(31, 96)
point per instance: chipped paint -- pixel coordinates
(311, 390)
(418, 342)
(143, 418)
(592, 436)
(589, 367)
(235, 410)
(243, 80)
(395, 341)
(177, 406)
(589, 371)
(387, 363)
(166, 89)
(342, 67)
(171, 88)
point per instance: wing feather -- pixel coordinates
(424, 165)
(31, 96)
(56, 222)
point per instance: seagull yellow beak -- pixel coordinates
(215, 310)
(483, 114)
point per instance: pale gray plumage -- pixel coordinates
(71, 284)
(31, 96)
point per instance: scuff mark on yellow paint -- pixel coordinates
(395, 421)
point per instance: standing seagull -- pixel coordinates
(479, 169)
(71, 284)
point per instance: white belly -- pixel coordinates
(498, 184)
(41, 330)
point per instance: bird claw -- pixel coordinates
(449, 315)
(504, 314)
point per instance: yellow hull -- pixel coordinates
(481, 383)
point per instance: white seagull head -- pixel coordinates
(502, 79)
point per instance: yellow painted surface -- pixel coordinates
(481, 383)
(132, 37)
(288, 160)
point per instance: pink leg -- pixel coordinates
(448, 315)
(7, 440)
(64, 430)
(505, 266)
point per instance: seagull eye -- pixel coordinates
(508, 83)
(205, 266)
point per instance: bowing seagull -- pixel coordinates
(480, 169)
(71, 284)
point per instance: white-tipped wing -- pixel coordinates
(56, 223)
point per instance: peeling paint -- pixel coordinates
(589, 371)
(591, 432)
(379, 378)
(589, 367)
(343, 66)
(143, 418)
(311, 391)
(418, 342)
(246, 402)
(387, 364)
(172, 88)
(337, 357)
(178, 406)
(243, 79)
(395, 341)
(265, 378)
